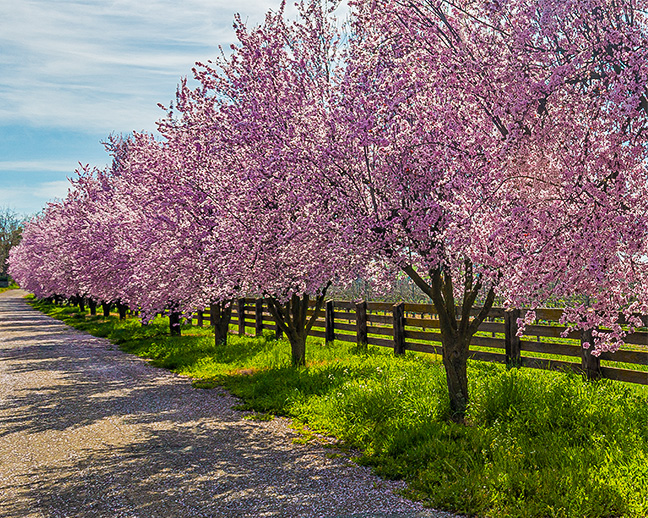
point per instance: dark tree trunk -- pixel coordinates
(220, 315)
(455, 361)
(298, 349)
(92, 304)
(105, 306)
(174, 323)
(591, 364)
(121, 309)
(81, 302)
(457, 327)
(292, 318)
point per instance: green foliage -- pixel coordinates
(256, 416)
(537, 443)
(12, 286)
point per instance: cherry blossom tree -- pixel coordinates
(264, 112)
(35, 263)
(151, 206)
(498, 148)
(204, 184)
(193, 252)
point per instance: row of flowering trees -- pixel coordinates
(485, 149)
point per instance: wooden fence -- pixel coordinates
(415, 327)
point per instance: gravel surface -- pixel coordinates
(86, 430)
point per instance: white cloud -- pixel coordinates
(28, 200)
(101, 65)
(92, 67)
(58, 166)
(51, 190)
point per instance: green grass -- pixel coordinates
(12, 286)
(537, 443)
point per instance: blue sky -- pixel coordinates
(72, 72)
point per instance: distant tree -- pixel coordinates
(11, 225)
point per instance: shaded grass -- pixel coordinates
(537, 443)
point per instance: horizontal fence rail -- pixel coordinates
(415, 327)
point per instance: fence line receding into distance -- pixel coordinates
(415, 327)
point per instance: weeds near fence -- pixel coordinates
(538, 443)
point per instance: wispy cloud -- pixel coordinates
(24, 166)
(28, 200)
(104, 65)
(51, 190)
(73, 71)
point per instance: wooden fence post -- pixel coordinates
(361, 323)
(329, 319)
(200, 318)
(398, 312)
(511, 339)
(591, 364)
(241, 317)
(258, 317)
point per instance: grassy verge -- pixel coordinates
(538, 443)
(12, 286)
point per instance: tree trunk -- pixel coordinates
(298, 349)
(455, 361)
(93, 307)
(106, 309)
(457, 327)
(121, 308)
(81, 302)
(220, 315)
(174, 323)
(292, 318)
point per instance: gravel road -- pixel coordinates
(86, 430)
